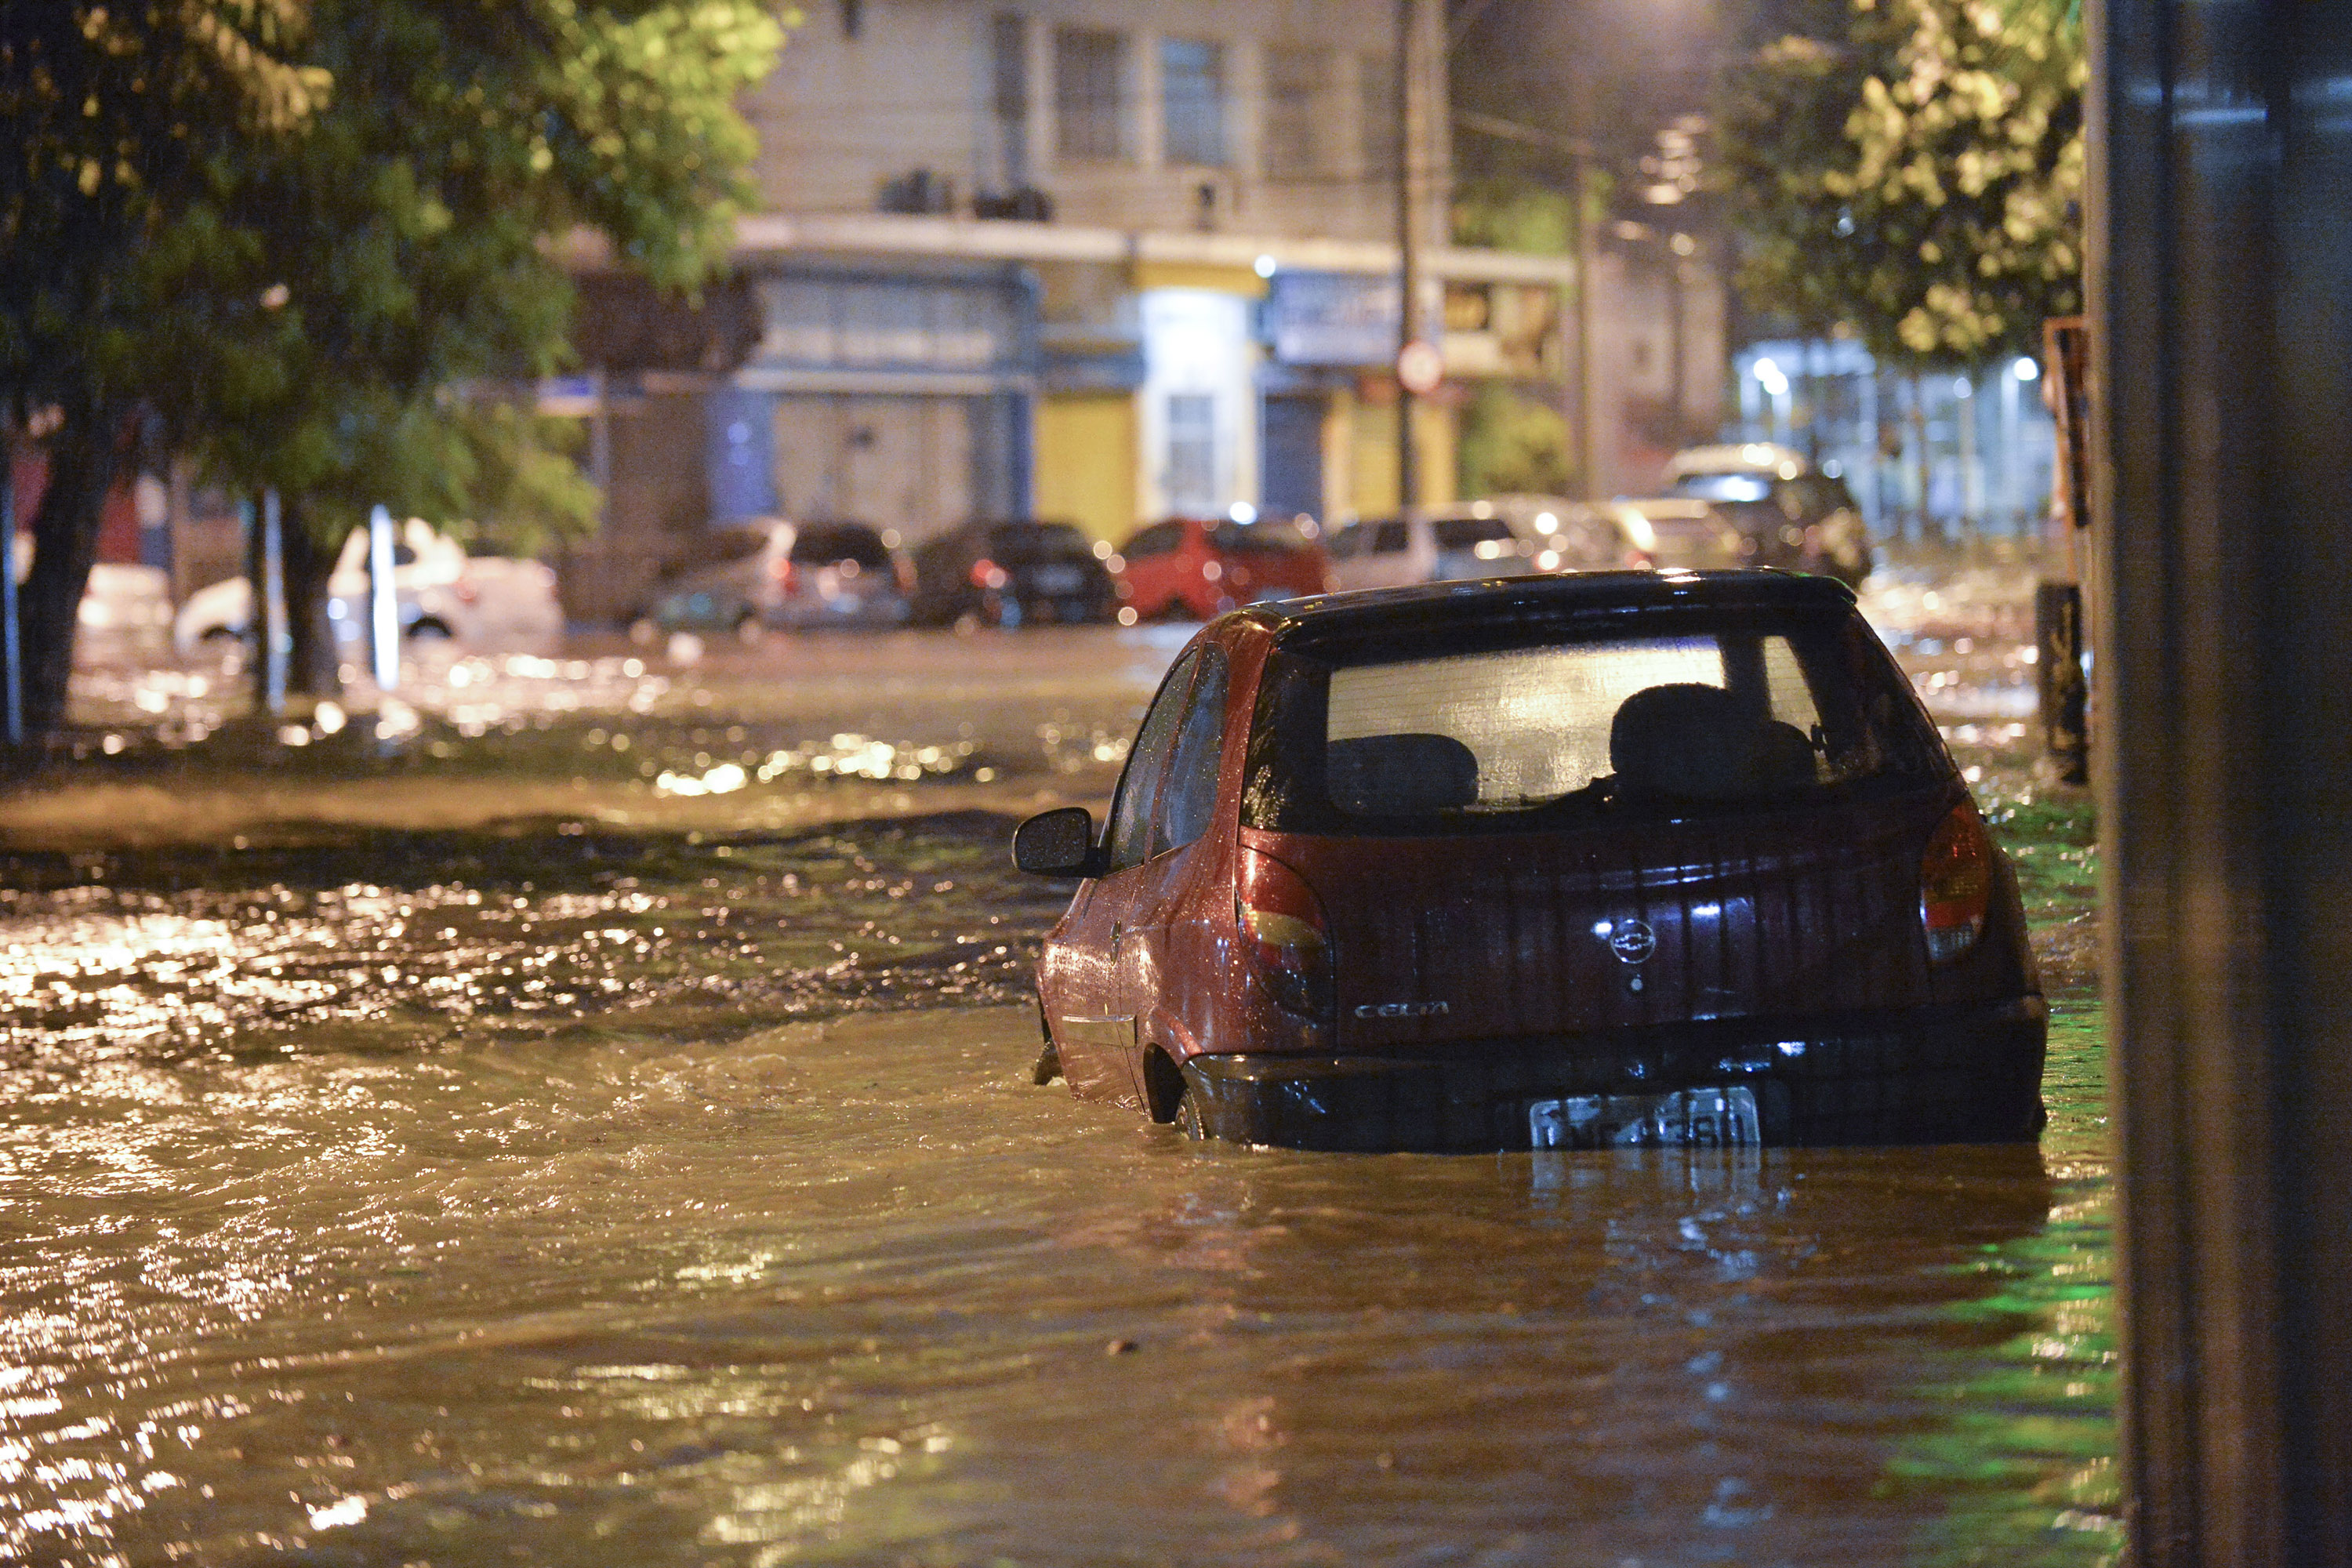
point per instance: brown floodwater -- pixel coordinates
(636, 1175)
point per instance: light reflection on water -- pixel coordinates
(561, 1193)
(854, 1291)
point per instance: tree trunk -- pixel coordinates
(313, 668)
(85, 454)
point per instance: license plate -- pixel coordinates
(1057, 579)
(1687, 1118)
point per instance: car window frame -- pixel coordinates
(1175, 691)
(1206, 703)
(1155, 541)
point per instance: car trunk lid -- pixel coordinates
(1755, 914)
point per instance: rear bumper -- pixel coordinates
(1941, 1075)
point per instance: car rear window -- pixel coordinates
(1519, 728)
(1817, 495)
(1725, 487)
(1468, 532)
(840, 542)
(1023, 545)
(1267, 537)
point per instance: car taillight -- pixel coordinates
(906, 571)
(1284, 933)
(987, 574)
(787, 578)
(1954, 885)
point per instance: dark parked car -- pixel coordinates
(752, 577)
(1600, 859)
(1788, 514)
(1011, 575)
(1194, 568)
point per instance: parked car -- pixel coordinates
(1436, 544)
(750, 577)
(441, 592)
(1011, 575)
(1192, 568)
(128, 600)
(1609, 859)
(1572, 536)
(1678, 533)
(1794, 515)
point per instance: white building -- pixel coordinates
(1099, 259)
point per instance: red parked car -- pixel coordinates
(1189, 568)
(1605, 860)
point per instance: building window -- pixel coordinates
(1295, 81)
(1090, 93)
(1192, 453)
(1008, 54)
(1383, 136)
(1192, 97)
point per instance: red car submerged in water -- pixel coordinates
(1192, 568)
(1606, 860)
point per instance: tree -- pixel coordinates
(407, 238)
(114, 118)
(347, 287)
(1912, 171)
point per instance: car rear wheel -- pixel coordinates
(1187, 1117)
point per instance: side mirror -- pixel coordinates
(1059, 843)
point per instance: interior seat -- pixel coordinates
(1400, 776)
(1689, 741)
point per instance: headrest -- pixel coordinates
(1400, 776)
(1700, 743)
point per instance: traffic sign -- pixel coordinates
(1419, 367)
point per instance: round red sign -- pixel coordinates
(1419, 367)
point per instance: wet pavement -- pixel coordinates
(580, 1114)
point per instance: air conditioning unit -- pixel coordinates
(916, 191)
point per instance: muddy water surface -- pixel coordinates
(601, 1182)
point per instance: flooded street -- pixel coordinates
(581, 1113)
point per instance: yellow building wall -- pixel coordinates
(1086, 462)
(1371, 451)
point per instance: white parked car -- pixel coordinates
(1503, 536)
(441, 591)
(1433, 544)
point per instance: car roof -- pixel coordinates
(1747, 457)
(1565, 593)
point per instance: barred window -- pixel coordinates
(1192, 100)
(1383, 137)
(1090, 93)
(1294, 83)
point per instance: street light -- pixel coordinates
(1775, 382)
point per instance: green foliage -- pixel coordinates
(114, 117)
(1513, 445)
(1500, 213)
(401, 248)
(1912, 170)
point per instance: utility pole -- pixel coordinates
(1408, 253)
(1579, 234)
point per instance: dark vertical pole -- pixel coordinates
(1579, 237)
(270, 605)
(1408, 219)
(11, 646)
(2221, 349)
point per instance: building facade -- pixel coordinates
(1102, 260)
